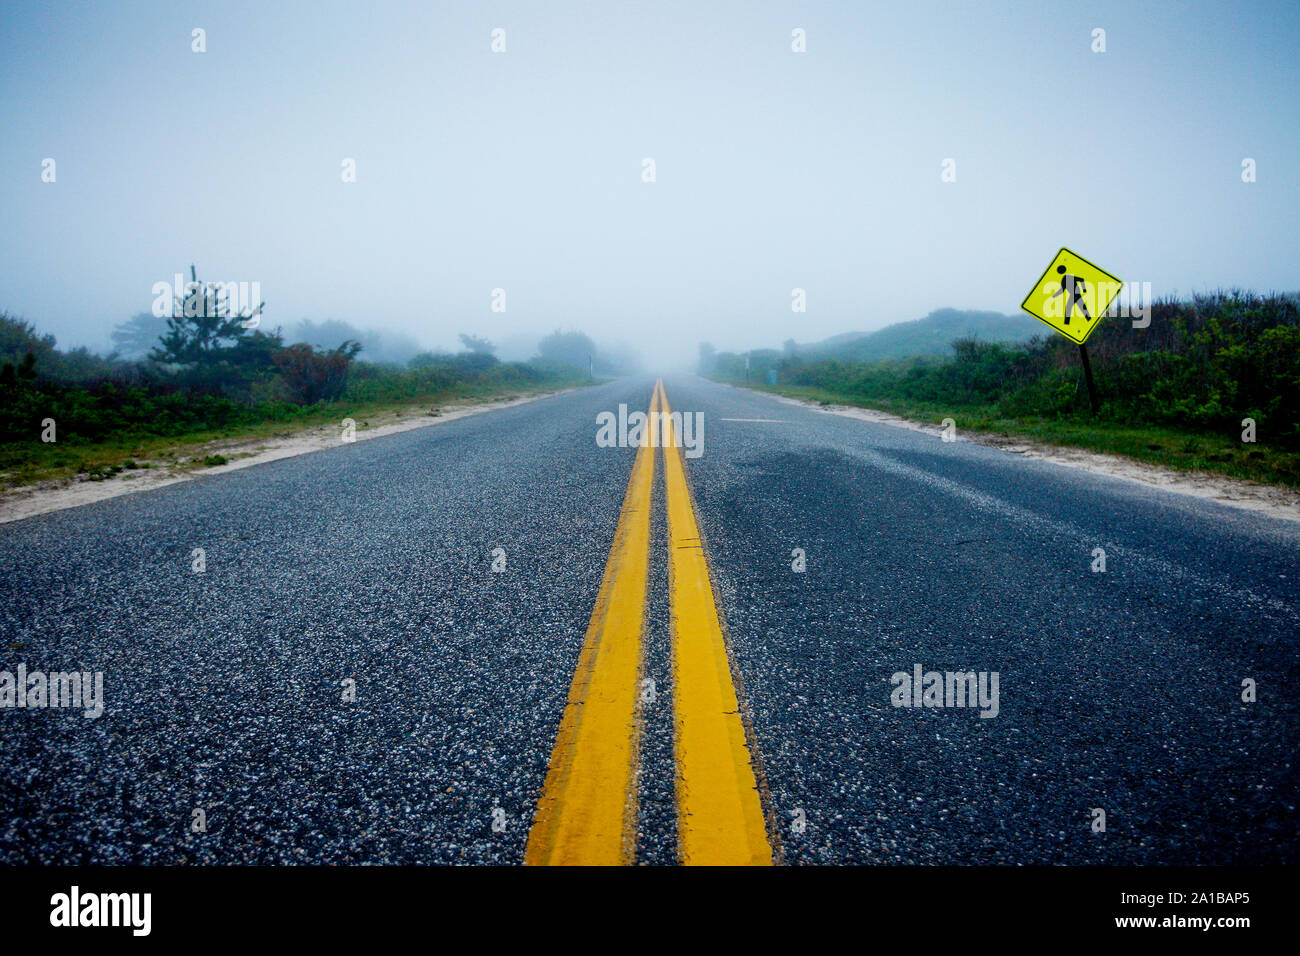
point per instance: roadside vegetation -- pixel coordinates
(174, 384)
(1177, 393)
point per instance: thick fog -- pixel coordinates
(653, 174)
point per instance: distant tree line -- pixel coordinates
(207, 366)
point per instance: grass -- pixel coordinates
(25, 463)
(1180, 449)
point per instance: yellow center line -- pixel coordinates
(720, 815)
(587, 812)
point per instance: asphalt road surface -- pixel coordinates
(482, 695)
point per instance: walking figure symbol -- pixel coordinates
(1075, 288)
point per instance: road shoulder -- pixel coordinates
(1274, 501)
(42, 497)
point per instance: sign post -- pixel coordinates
(1087, 374)
(1071, 296)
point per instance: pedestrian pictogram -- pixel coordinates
(1072, 296)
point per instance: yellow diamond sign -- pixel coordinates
(1072, 295)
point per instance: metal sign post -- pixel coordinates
(1087, 374)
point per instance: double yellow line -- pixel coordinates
(587, 813)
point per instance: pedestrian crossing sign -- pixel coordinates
(1072, 296)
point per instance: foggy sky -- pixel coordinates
(523, 170)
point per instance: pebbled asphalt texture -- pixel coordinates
(373, 562)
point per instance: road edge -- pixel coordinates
(1271, 500)
(29, 501)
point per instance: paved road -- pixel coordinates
(372, 562)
